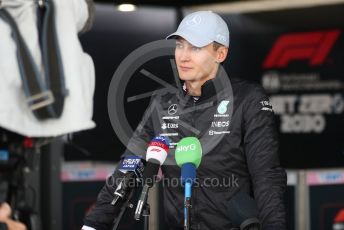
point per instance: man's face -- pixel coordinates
(197, 63)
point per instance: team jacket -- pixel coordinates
(235, 125)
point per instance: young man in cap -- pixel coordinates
(235, 125)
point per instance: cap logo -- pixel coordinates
(194, 21)
(221, 38)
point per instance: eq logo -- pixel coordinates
(311, 46)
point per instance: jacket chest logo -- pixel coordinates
(222, 107)
(169, 126)
(172, 109)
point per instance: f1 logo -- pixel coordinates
(311, 46)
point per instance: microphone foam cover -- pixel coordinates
(188, 150)
(157, 149)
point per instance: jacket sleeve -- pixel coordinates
(102, 216)
(261, 149)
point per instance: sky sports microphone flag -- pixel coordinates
(156, 155)
(132, 167)
(188, 156)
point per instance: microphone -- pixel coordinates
(132, 167)
(243, 212)
(188, 156)
(155, 156)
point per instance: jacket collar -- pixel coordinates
(210, 88)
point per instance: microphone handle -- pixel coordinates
(123, 187)
(187, 209)
(127, 204)
(187, 205)
(187, 190)
(142, 201)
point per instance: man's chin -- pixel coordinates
(187, 78)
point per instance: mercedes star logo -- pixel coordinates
(172, 109)
(196, 20)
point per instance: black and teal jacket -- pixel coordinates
(234, 122)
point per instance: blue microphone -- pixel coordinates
(188, 156)
(132, 167)
(132, 164)
(188, 176)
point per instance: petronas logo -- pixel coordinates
(222, 108)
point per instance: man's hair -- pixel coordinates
(216, 45)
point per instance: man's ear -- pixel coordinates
(222, 53)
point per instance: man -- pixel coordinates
(243, 144)
(6, 223)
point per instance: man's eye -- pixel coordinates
(194, 48)
(179, 46)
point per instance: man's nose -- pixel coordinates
(184, 55)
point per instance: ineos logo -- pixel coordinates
(220, 124)
(172, 109)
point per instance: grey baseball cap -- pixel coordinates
(201, 28)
